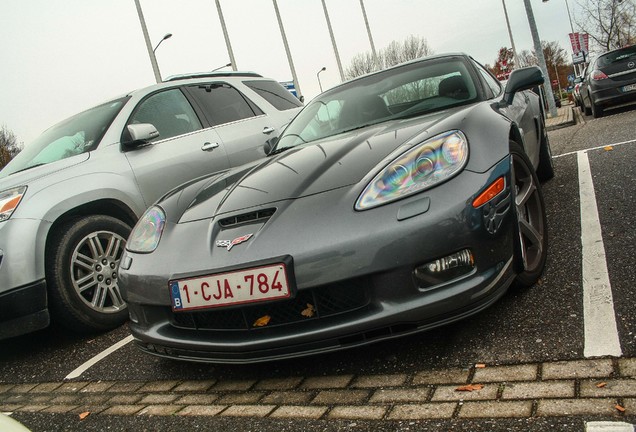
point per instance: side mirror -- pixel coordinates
(141, 133)
(522, 79)
(270, 144)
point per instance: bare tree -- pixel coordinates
(9, 146)
(396, 52)
(611, 24)
(527, 58)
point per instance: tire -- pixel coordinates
(531, 229)
(81, 273)
(597, 111)
(586, 109)
(545, 170)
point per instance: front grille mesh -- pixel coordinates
(320, 302)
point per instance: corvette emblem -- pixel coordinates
(228, 244)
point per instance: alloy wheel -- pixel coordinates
(94, 265)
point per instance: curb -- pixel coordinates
(564, 118)
(604, 388)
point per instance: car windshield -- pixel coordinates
(406, 91)
(618, 55)
(75, 135)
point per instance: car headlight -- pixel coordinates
(427, 164)
(9, 200)
(145, 237)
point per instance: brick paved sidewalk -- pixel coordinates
(599, 388)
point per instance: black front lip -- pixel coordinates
(397, 329)
(23, 310)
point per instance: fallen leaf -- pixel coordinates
(83, 415)
(470, 387)
(309, 312)
(601, 384)
(619, 408)
(262, 321)
(480, 365)
(608, 148)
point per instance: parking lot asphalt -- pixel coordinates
(544, 382)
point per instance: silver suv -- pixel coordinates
(69, 200)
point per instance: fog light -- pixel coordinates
(445, 269)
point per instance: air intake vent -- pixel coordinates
(247, 217)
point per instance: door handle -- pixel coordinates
(268, 130)
(209, 146)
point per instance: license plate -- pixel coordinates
(231, 288)
(628, 88)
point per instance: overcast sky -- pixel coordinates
(60, 57)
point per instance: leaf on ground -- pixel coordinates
(83, 415)
(470, 387)
(480, 365)
(608, 148)
(262, 321)
(601, 384)
(619, 408)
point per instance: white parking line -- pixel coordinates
(595, 148)
(606, 426)
(601, 335)
(84, 367)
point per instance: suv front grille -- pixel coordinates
(316, 303)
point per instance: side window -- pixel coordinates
(222, 103)
(490, 81)
(169, 111)
(275, 94)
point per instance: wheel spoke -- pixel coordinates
(84, 261)
(531, 233)
(81, 283)
(99, 297)
(95, 245)
(525, 192)
(115, 296)
(113, 247)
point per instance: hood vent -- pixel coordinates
(259, 215)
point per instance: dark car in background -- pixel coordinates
(610, 81)
(394, 203)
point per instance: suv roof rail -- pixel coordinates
(212, 75)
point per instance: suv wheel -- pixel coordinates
(81, 273)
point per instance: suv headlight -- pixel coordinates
(145, 237)
(422, 167)
(9, 200)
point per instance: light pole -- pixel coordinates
(512, 41)
(366, 22)
(151, 53)
(230, 52)
(318, 76)
(333, 40)
(289, 56)
(538, 49)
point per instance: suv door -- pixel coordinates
(184, 149)
(242, 126)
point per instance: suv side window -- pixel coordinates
(169, 111)
(222, 103)
(275, 94)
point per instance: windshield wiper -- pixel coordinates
(279, 150)
(28, 168)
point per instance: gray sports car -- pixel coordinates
(397, 202)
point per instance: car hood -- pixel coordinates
(28, 176)
(331, 163)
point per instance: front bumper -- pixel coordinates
(356, 269)
(23, 310)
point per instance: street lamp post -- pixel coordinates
(151, 53)
(512, 41)
(333, 40)
(290, 60)
(538, 49)
(318, 76)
